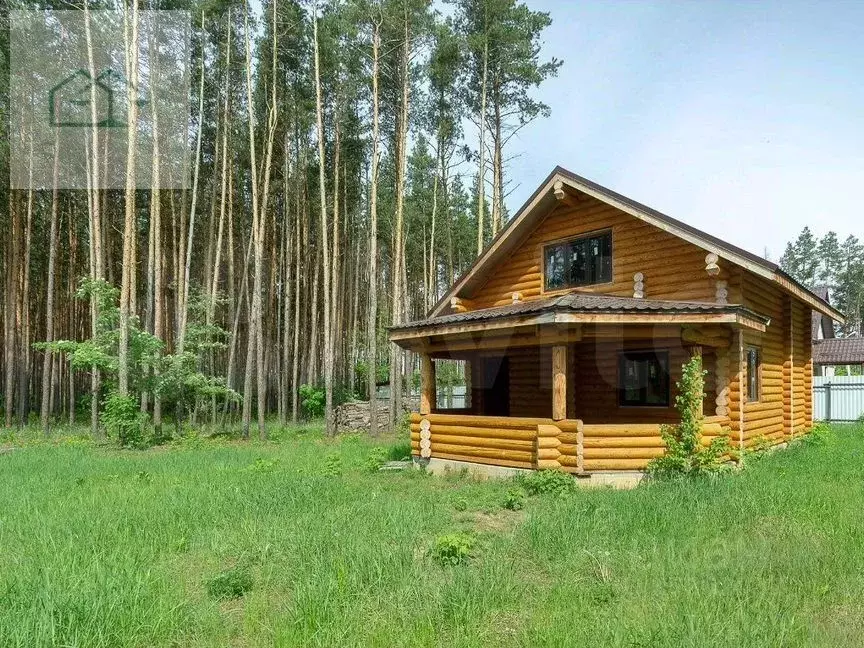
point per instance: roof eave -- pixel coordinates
(737, 316)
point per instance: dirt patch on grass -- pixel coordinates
(502, 521)
(782, 531)
(506, 626)
(842, 625)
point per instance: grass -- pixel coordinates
(298, 543)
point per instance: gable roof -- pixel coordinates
(819, 321)
(542, 201)
(838, 351)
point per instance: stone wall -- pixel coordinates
(353, 416)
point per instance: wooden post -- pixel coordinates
(469, 389)
(559, 382)
(427, 384)
(721, 377)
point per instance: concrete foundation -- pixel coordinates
(484, 471)
(619, 479)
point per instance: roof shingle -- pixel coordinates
(838, 351)
(582, 303)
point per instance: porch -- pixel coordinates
(537, 443)
(579, 392)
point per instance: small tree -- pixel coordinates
(684, 452)
(180, 382)
(176, 377)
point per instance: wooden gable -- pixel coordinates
(670, 255)
(672, 268)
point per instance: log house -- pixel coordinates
(575, 322)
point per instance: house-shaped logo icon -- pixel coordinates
(69, 101)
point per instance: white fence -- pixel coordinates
(838, 398)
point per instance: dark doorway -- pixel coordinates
(496, 396)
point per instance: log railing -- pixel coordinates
(538, 443)
(517, 442)
(630, 446)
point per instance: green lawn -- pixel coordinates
(101, 547)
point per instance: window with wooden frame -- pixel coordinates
(643, 379)
(582, 261)
(753, 357)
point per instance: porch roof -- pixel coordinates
(582, 308)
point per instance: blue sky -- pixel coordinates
(743, 119)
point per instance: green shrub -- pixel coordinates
(263, 465)
(312, 401)
(514, 500)
(230, 584)
(758, 449)
(684, 452)
(333, 466)
(818, 436)
(122, 416)
(376, 459)
(548, 482)
(453, 549)
(400, 451)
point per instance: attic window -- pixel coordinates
(582, 261)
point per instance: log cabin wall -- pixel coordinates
(677, 273)
(797, 383)
(785, 401)
(802, 322)
(596, 377)
(763, 419)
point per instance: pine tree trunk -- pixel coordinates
(295, 354)
(497, 171)
(223, 196)
(481, 170)
(47, 364)
(286, 285)
(334, 256)
(9, 325)
(254, 354)
(24, 305)
(328, 350)
(129, 227)
(190, 236)
(372, 321)
(398, 244)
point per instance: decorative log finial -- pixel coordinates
(711, 266)
(558, 187)
(638, 285)
(517, 297)
(722, 293)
